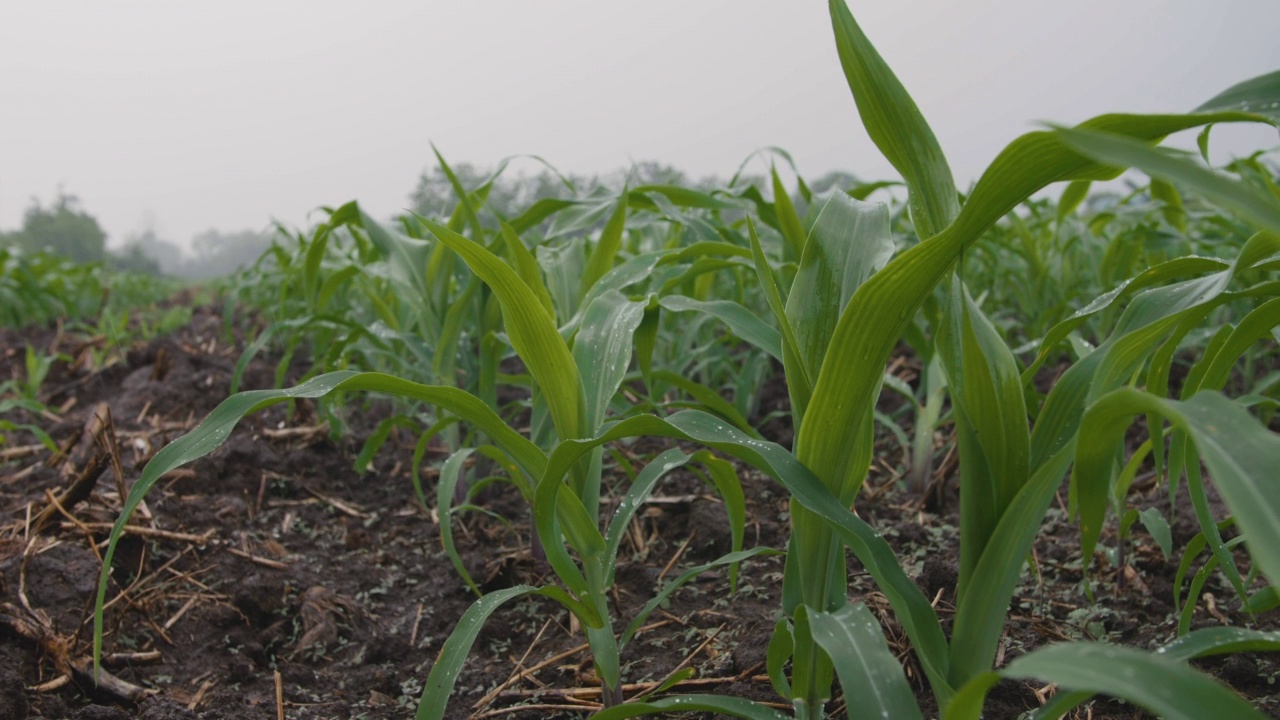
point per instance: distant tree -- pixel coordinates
(61, 228)
(134, 259)
(167, 256)
(218, 253)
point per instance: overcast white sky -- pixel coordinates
(183, 116)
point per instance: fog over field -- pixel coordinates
(181, 117)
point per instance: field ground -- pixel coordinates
(274, 554)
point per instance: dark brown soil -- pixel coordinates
(273, 555)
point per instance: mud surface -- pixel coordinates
(275, 564)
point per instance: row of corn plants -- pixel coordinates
(38, 288)
(87, 300)
(698, 290)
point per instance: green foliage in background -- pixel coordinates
(62, 229)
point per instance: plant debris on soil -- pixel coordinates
(272, 575)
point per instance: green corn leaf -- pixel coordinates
(581, 531)
(1190, 552)
(641, 487)
(704, 398)
(553, 509)
(622, 276)
(764, 209)
(532, 331)
(788, 221)
(1158, 528)
(439, 282)
(1072, 196)
(647, 340)
(982, 609)
(639, 198)
(697, 278)
(450, 473)
(1239, 452)
(1220, 550)
(870, 674)
(602, 256)
(1167, 688)
(602, 349)
(1260, 95)
(991, 422)
(1201, 643)
(724, 477)
(865, 190)
(444, 673)
(333, 284)
(350, 330)
(563, 265)
(743, 322)
(967, 702)
(1153, 276)
(673, 680)
(896, 126)
(1162, 685)
(469, 211)
(781, 648)
(1145, 323)
(581, 217)
(1257, 325)
(1220, 641)
(1232, 194)
(849, 242)
(540, 211)
(41, 436)
(407, 258)
(311, 266)
(526, 266)
(704, 249)
(1175, 213)
(460, 314)
(812, 671)
(799, 383)
(1265, 600)
(216, 428)
(867, 333)
(721, 704)
(775, 151)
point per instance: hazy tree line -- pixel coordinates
(63, 227)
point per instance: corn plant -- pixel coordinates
(24, 394)
(1009, 475)
(38, 288)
